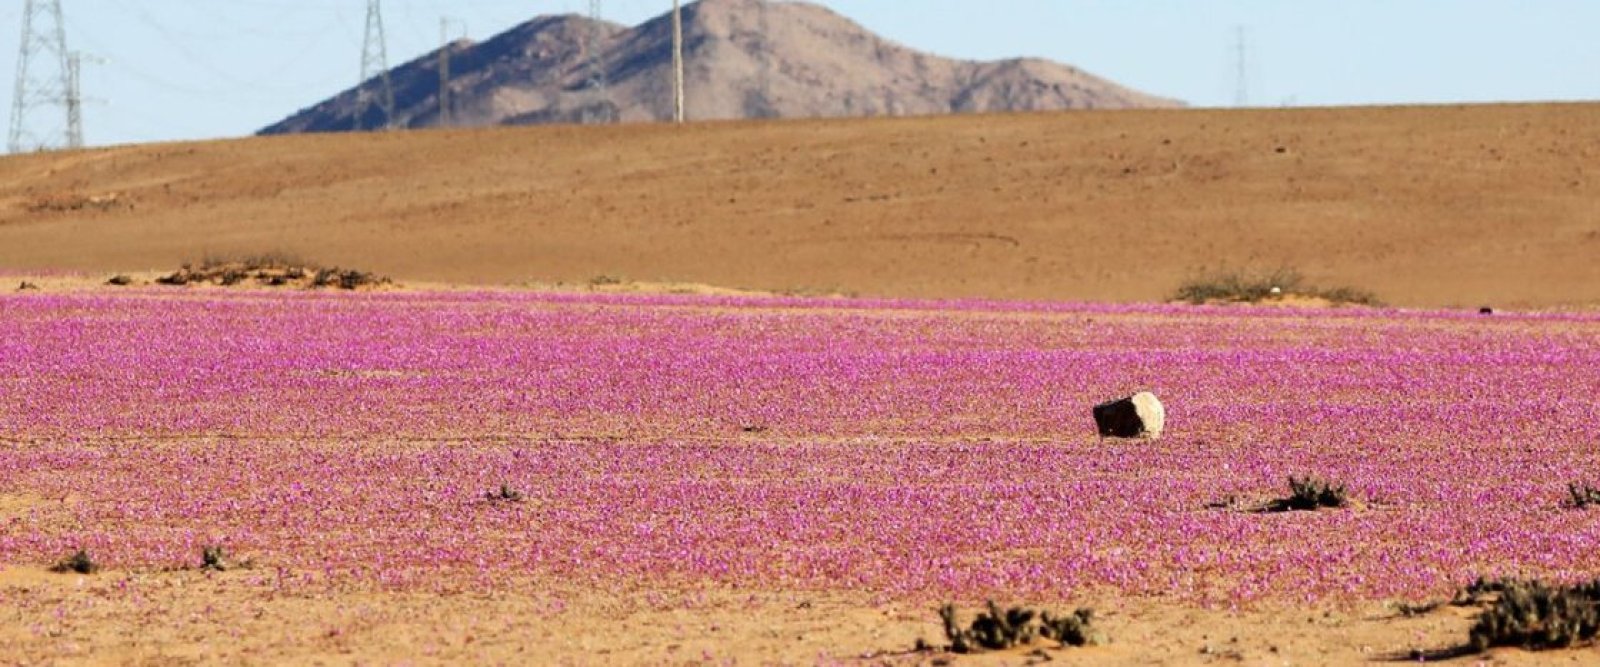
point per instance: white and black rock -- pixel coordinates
(1138, 416)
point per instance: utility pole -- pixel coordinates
(598, 110)
(446, 105)
(764, 60)
(44, 43)
(375, 62)
(677, 62)
(1241, 95)
(444, 72)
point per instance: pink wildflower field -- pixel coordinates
(911, 450)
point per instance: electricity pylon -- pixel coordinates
(595, 49)
(45, 78)
(374, 63)
(677, 62)
(599, 108)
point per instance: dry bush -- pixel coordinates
(1242, 286)
(999, 629)
(1534, 616)
(270, 269)
(78, 562)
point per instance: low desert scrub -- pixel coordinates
(1239, 286)
(78, 562)
(271, 269)
(263, 260)
(213, 558)
(347, 279)
(1311, 493)
(506, 494)
(1534, 616)
(1582, 495)
(999, 629)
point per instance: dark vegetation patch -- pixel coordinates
(1242, 286)
(213, 558)
(506, 494)
(1535, 616)
(1000, 629)
(1311, 493)
(271, 270)
(1582, 495)
(79, 562)
(1520, 613)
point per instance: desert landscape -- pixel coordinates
(778, 391)
(252, 475)
(1454, 207)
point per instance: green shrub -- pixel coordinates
(1533, 616)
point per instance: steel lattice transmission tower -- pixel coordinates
(677, 62)
(375, 64)
(45, 77)
(598, 110)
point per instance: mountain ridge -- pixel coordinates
(743, 59)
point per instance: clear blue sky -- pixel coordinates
(181, 69)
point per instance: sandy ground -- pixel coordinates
(1425, 206)
(240, 617)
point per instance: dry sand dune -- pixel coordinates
(1426, 206)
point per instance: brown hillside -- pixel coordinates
(1425, 206)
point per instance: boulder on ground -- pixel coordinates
(1138, 416)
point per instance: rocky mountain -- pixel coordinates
(743, 59)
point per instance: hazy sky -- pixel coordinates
(179, 69)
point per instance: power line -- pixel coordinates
(375, 63)
(1241, 94)
(44, 44)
